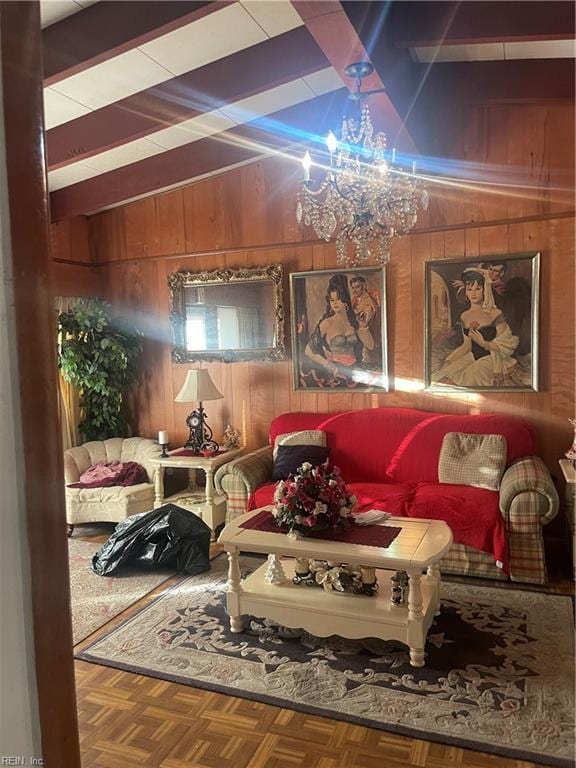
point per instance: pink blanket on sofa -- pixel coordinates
(107, 473)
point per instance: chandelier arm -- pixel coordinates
(342, 194)
(312, 201)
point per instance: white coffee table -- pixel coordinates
(270, 593)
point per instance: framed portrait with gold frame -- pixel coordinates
(339, 330)
(481, 323)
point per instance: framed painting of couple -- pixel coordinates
(339, 330)
(481, 323)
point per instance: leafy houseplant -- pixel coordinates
(97, 354)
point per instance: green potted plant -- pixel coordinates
(97, 354)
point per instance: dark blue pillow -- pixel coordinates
(290, 457)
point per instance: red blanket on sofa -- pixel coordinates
(107, 473)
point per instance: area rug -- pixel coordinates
(97, 599)
(498, 677)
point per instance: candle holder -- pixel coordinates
(164, 455)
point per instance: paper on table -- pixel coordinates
(371, 517)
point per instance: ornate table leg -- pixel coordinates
(434, 581)
(209, 486)
(158, 487)
(208, 513)
(234, 590)
(274, 573)
(416, 635)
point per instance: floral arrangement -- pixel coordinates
(313, 499)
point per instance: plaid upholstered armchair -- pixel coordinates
(389, 457)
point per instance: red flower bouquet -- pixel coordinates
(313, 499)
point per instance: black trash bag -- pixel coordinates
(167, 536)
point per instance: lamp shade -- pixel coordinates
(198, 386)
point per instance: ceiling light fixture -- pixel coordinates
(365, 199)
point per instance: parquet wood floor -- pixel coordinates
(129, 721)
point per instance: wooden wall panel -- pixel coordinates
(76, 280)
(519, 166)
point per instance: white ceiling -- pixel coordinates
(52, 11)
(504, 51)
(238, 113)
(226, 31)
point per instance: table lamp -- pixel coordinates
(199, 386)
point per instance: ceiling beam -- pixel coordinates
(176, 166)
(253, 70)
(464, 23)
(330, 26)
(107, 29)
(485, 82)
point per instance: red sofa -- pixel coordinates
(389, 459)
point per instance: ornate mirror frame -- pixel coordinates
(178, 281)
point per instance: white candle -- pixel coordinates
(306, 164)
(163, 437)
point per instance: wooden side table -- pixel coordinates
(205, 504)
(569, 473)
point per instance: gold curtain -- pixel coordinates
(69, 400)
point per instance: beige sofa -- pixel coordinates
(112, 504)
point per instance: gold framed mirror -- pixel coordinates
(230, 315)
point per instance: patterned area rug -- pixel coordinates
(498, 678)
(97, 599)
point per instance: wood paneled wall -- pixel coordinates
(73, 271)
(513, 171)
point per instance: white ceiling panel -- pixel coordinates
(200, 127)
(191, 130)
(52, 11)
(274, 16)
(540, 49)
(71, 174)
(324, 81)
(123, 155)
(264, 103)
(208, 39)
(112, 80)
(480, 52)
(60, 109)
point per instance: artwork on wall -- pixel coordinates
(481, 329)
(339, 330)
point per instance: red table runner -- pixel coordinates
(368, 535)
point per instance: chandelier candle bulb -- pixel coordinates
(331, 142)
(306, 163)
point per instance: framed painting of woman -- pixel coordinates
(481, 323)
(339, 330)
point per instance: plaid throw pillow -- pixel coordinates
(477, 460)
(304, 437)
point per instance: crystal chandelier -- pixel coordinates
(365, 199)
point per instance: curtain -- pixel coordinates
(69, 400)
